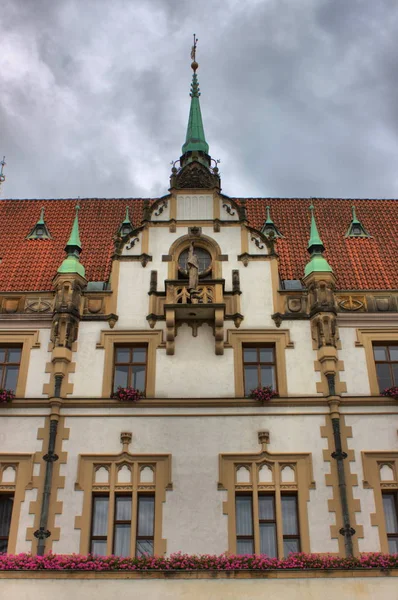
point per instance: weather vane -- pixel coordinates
(2, 176)
(194, 64)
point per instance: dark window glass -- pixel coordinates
(244, 524)
(130, 367)
(145, 525)
(290, 525)
(386, 361)
(259, 367)
(390, 504)
(266, 514)
(122, 526)
(10, 359)
(6, 504)
(204, 261)
(99, 525)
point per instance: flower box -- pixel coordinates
(127, 394)
(6, 395)
(264, 394)
(391, 391)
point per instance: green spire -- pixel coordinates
(40, 230)
(126, 226)
(356, 229)
(73, 248)
(317, 262)
(269, 226)
(195, 139)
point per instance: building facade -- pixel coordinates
(191, 301)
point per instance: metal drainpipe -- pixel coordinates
(347, 531)
(43, 533)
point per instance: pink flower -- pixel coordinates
(127, 394)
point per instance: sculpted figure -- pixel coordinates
(193, 269)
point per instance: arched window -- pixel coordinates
(204, 262)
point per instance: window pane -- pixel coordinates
(250, 354)
(290, 546)
(383, 375)
(2, 355)
(268, 539)
(5, 514)
(268, 376)
(251, 379)
(244, 522)
(98, 547)
(3, 546)
(123, 508)
(244, 547)
(380, 352)
(14, 355)
(266, 354)
(100, 516)
(395, 373)
(144, 547)
(10, 382)
(122, 355)
(146, 505)
(139, 355)
(122, 540)
(393, 352)
(121, 377)
(390, 513)
(266, 507)
(289, 515)
(138, 381)
(393, 545)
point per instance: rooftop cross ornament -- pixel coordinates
(194, 64)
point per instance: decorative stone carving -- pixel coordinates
(194, 175)
(324, 330)
(321, 295)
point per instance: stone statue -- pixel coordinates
(193, 269)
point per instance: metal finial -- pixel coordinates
(2, 163)
(194, 64)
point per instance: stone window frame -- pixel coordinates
(202, 241)
(27, 339)
(279, 339)
(110, 339)
(90, 463)
(372, 463)
(23, 465)
(301, 463)
(365, 338)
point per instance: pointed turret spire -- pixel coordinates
(317, 262)
(356, 229)
(195, 139)
(73, 248)
(126, 227)
(269, 226)
(40, 230)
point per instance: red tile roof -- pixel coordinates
(30, 265)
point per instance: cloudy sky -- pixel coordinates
(299, 97)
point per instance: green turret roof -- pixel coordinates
(356, 229)
(71, 263)
(40, 230)
(195, 139)
(317, 262)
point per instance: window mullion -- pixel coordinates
(278, 511)
(111, 509)
(256, 523)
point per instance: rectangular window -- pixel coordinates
(122, 524)
(130, 367)
(268, 526)
(10, 360)
(259, 367)
(6, 504)
(390, 504)
(145, 525)
(386, 361)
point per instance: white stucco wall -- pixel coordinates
(193, 519)
(301, 377)
(370, 433)
(39, 357)
(355, 372)
(89, 361)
